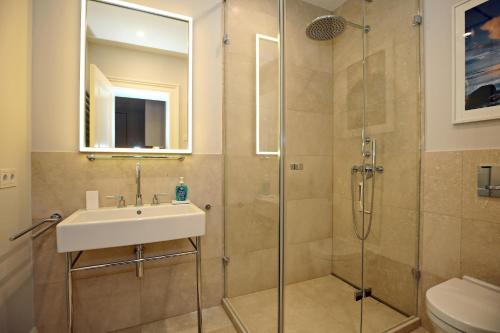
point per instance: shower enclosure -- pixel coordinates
(322, 164)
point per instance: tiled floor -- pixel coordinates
(320, 305)
(215, 320)
(325, 305)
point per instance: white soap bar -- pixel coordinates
(92, 200)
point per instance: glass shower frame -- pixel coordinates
(283, 164)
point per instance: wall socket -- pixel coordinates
(8, 178)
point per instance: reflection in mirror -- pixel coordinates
(267, 95)
(137, 80)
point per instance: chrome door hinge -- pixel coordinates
(417, 20)
(360, 294)
(226, 40)
(416, 273)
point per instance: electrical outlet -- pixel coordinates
(4, 178)
(13, 177)
(8, 178)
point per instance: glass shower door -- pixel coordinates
(323, 114)
(251, 113)
(352, 156)
(393, 121)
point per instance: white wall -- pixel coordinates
(440, 134)
(56, 64)
(16, 281)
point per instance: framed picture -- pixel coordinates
(476, 60)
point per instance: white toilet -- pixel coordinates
(464, 305)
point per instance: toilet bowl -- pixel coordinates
(465, 305)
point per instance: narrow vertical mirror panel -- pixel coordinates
(136, 71)
(267, 94)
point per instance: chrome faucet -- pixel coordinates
(138, 195)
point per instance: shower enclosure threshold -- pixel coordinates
(325, 304)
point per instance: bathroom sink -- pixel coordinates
(110, 227)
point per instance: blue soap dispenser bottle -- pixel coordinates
(181, 190)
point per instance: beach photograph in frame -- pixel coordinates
(476, 60)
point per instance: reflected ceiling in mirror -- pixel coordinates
(136, 87)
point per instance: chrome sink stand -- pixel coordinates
(72, 267)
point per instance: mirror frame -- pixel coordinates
(83, 41)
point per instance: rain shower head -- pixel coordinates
(329, 26)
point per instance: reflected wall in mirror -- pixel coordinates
(267, 95)
(136, 71)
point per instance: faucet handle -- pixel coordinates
(156, 198)
(120, 198)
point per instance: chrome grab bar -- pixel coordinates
(54, 219)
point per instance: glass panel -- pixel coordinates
(251, 179)
(324, 108)
(393, 121)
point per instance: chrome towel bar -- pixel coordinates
(54, 219)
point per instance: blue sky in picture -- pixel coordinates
(482, 55)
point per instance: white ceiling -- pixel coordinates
(117, 24)
(330, 5)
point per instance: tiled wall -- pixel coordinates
(461, 231)
(113, 298)
(309, 140)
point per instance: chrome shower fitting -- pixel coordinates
(328, 27)
(368, 171)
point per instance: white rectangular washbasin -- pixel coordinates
(111, 227)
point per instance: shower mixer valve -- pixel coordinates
(368, 171)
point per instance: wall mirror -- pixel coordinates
(136, 79)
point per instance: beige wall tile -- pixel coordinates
(309, 90)
(391, 281)
(441, 245)
(309, 133)
(106, 303)
(252, 227)
(480, 250)
(309, 260)
(244, 19)
(251, 272)
(50, 307)
(443, 183)
(308, 220)
(247, 177)
(314, 181)
(171, 290)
